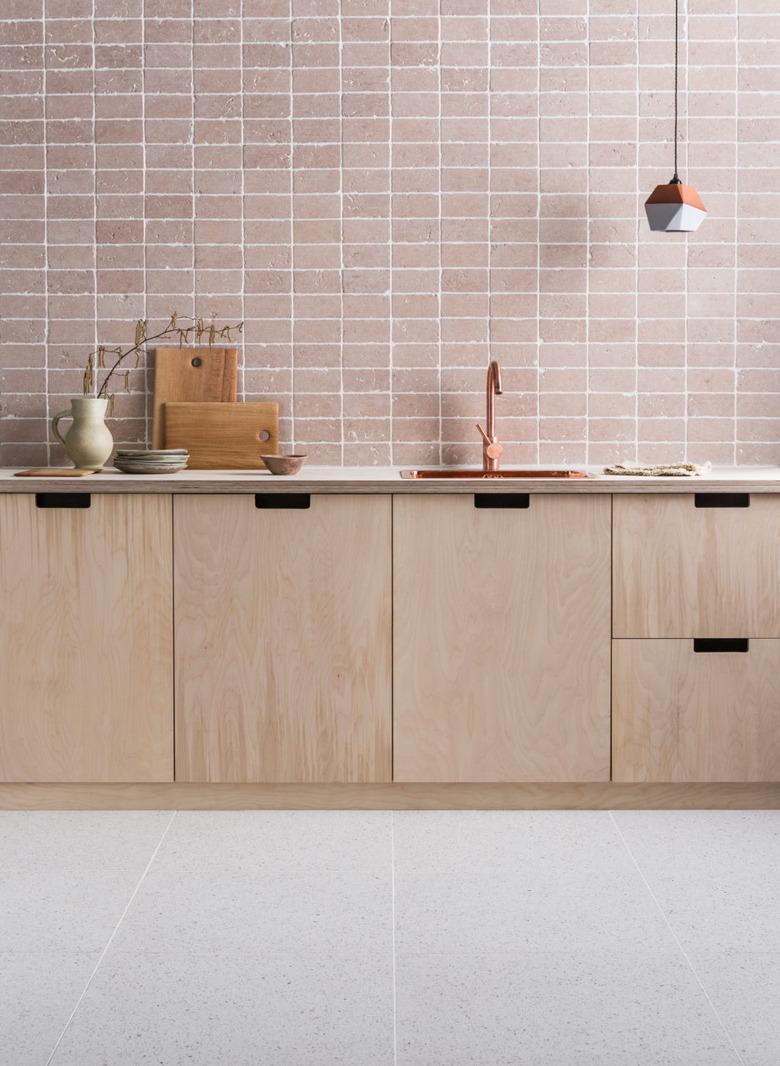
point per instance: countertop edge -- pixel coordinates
(388, 481)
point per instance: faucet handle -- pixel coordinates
(493, 450)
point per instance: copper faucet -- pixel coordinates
(491, 449)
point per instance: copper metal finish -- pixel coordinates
(675, 193)
(491, 449)
(480, 474)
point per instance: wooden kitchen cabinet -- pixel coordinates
(682, 715)
(283, 631)
(501, 639)
(682, 570)
(86, 689)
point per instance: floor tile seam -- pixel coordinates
(678, 942)
(332, 953)
(578, 954)
(110, 940)
(393, 938)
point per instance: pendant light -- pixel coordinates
(675, 208)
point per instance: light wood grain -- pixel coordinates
(682, 716)
(202, 374)
(223, 436)
(684, 571)
(54, 471)
(283, 640)
(369, 480)
(603, 796)
(86, 641)
(501, 640)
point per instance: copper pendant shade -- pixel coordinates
(674, 207)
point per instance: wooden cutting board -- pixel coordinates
(54, 471)
(200, 374)
(223, 436)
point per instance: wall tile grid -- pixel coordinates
(389, 193)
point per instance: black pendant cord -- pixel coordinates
(676, 179)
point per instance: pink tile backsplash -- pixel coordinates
(390, 193)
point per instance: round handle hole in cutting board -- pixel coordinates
(197, 361)
(264, 435)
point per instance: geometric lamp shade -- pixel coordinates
(675, 208)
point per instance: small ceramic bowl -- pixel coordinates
(284, 464)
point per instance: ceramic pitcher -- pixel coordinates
(88, 442)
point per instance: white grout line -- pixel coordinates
(410, 17)
(291, 161)
(390, 235)
(242, 120)
(676, 939)
(148, 380)
(640, 211)
(735, 383)
(588, 221)
(538, 416)
(490, 94)
(104, 952)
(392, 898)
(95, 328)
(192, 152)
(341, 230)
(686, 246)
(440, 240)
(47, 399)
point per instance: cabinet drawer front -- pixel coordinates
(684, 715)
(86, 638)
(682, 570)
(501, 639)
(282, 639)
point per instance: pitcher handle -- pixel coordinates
(55, 425)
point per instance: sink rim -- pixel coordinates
(477, 474)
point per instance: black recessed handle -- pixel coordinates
(63, 499)
(722, 499)
(516, 500)
(283, 501)
(720, 644)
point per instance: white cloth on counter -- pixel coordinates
(662, 470)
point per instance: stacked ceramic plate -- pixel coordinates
(158, 461)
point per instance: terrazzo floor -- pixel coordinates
(390, 939)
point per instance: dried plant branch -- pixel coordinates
(89, 376)
(186, 334)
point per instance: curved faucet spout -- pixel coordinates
(495, 369)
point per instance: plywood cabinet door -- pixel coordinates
(501, 639)
(682, 570)
(682, 715)
(86, 631)
(283, 640)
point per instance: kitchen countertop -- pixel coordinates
(322, 479)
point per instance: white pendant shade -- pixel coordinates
(675, 208)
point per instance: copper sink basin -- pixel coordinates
(477, 473)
